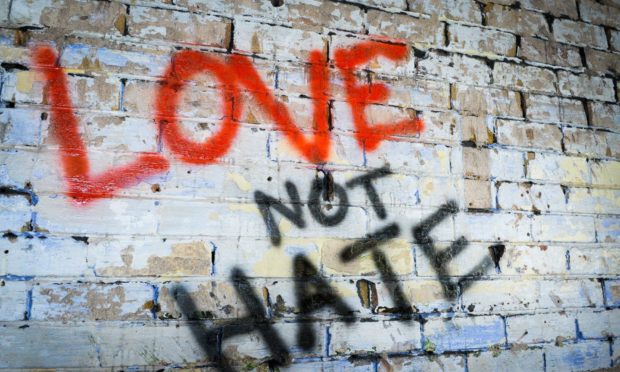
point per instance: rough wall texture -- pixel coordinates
(349, 185)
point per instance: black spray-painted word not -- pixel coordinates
(325, 189)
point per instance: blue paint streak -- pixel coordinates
(213, 253)
(268, 146)
(28, 305)
(579, 334)
(155, 299)
(328, 340)
(417, 197)
(609, 296)
(122, 97)
(365, 162)
(568, 259)
(16, 278)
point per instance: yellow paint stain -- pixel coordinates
(74, 70)
(24, 82)
(214, 216)
(244, 207)
(428, 187)
(285, 226)
(13, 54)
(443, 160)
(399, 256)
(240, 181)
(277, 262)
(574, 171)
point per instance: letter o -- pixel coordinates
(184, 66)
(314, 204)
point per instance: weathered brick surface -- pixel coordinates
(549, 52)
(224, 182)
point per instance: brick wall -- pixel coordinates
(304, 185)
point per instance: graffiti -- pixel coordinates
(312, 292)
(326, 188)
(233, 74)
(82, 185)
(372, 242)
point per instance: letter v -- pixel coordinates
(83, 187)
(317, 149)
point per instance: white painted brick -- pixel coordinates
(105, 18)
(51, 256)
(531, 360)
(558, 168)
(594, 260)
(578, 33)
(455, 67)
(534, 329)
(308, 13)
(492, 101)
(599, 324)
(330, 366)
(527, 78)
(403, 26)
(14, 304)
(529, 135)
(20, 127)
(410, 157)
(16, 213)
(554, 7)
(518, 21)
(597, 13)
(151, 256)
(531, 197)
(397, 4)
(578, 357)
(467, 11)
(554, 109)
(481, 41)
(276, 42)
(464, 333)
(604, 115)
(425, 363)
(60, 214)
(48, 345)
(138, 62)
(563, 228)
(360, 337)
(180, 27)
(607, 229)
(605, 173)
(611, 289)
(100, 93)
(549, 52)
(252, 345)
(74, 301)
(505, 296)
(591, 87)
(493, 227)
(420, 94)
(614, 40)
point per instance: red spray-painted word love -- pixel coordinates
(233, 74)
